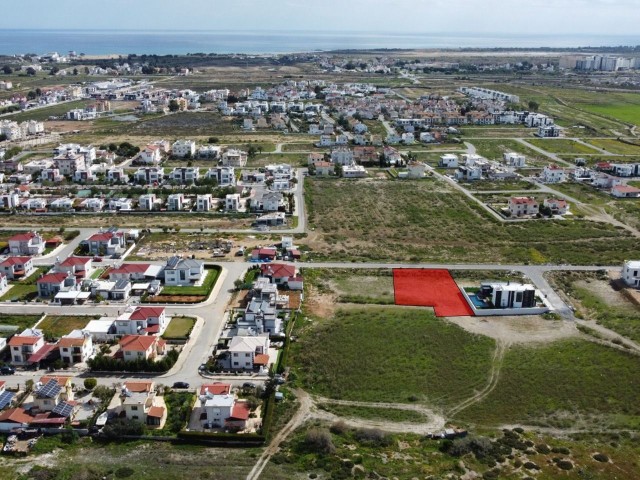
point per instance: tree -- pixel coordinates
(31, 71)
(319, 440)
(90, 383)
(31, 95)
(3, 137)
(213, 140)
(534, 106)
(337, 169)
(75, 71)
(7, 70)
(54, 70)
(174, 106)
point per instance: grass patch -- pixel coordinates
(425, 220)
(24, 290)
(615, 146)
(179, 328)
(354, 286)
(372, 413)
(204, 290)
(494, 150)
(16, 323)
(390, 354)
(500, 185)
(562, 145)
(56, 326)
(556, 384)
(595, 299)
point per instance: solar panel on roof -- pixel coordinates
(5, 399)
(50, 390)
(63, 409)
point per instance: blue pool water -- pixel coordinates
(477, 302)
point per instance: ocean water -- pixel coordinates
(103, 42)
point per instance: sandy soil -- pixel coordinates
(517, 329)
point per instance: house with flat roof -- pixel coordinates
(631, 273)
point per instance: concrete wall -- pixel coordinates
(491, 312)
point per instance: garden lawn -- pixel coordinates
(56, 326)
(560, 383)
(390, 354)
(203, 290)
(179, 327)
(24, 290)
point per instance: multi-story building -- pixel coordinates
(225, 176)
(520, 206)
(204, 203)
(184, 175)
(149, 175)
(29, 243)
(234, 158)
(183, 148)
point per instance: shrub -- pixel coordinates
(124, 472)
(491, 474)
(517, 463)
(565, 465)
(543, 449)
(561, 450)
(338, 428)
(319, 439)
(601, 457)
(373, 436)
(90, 383)
(531, 466)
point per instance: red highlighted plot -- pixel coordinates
(430, 288)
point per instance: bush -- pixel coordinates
(338, 428)
(373, 436)
(561, 450)
(319, 439)
(90, 383)
(565, 465)
(124, 472)
(543, 449)
(531, 466)
(601, 457)
(122, 426)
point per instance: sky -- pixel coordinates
(547, 17)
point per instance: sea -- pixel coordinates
(123, 42)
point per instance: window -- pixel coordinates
(518, 296)
(235, 354)
(247, 354)
(235, 364)
(134, 408)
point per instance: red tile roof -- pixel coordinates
(217, 388)
(15, 415)
(143, 313)
(261, 359)
(130, 268)
(139, 386)
(15, 261)
(52, 278)
(60, 380)
(22, 237)
(73, 261)
(19, 340)
(523, 200)
(136, 343)
(278, 270)
(240, 411)
(101, 237)
(626, 189)
(156, 412)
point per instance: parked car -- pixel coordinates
(7, 370)
(180, 385)
(97, 259)
(248, 385)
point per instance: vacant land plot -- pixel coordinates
(371, 413)
(554, 145)
(179, 327)
(137, 460)
(596, 297)
(615, 146)
(12, 323)
(186, 220)
(56, 326)
(390, 354)
(494, 150)
(584, 193)
(432, 288)
(353, 286)
(567, 383)
(46, 112)
(425, 220)
(620, 106)
(500, 185)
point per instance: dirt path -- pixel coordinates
(494, 376)
(297, 420)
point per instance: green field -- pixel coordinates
(179, 327)
(500, 185)
(563, 384)
(425, 220)
(56, 326)
(372, 413)
(16, 323)
(494, 150)
(390, 354)
(354, 286)
(615, 146)
(595, 299)
(620, 106)
(46, 112)
(554, 145)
